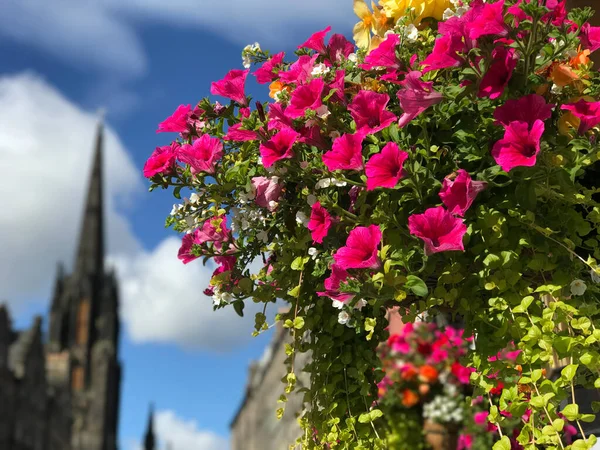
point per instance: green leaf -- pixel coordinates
(239, 308)
(298, 323)
(571, 411)
(298, 263)
(294, 292)
(558, 425)
(416, 285)
(502, 444)
(569, 372)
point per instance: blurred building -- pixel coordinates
(255, 425)
(63, 394)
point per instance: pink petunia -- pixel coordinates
(588, 114)
(590, 37)
(346, 153)
(499, 73)
(332, 285)
(490, 21)
(384, 169)
(480, 418)
(338, 85)
(232, 86)
(360, 251)
(384, 55)
(459, 193)
(445, 53)
(439, 230)
(312, 136)
(185, 251)
(319, 223)
(462, 373)
(528, 108)
(520, 146)
(339, 47)
(177, 122)
(266, 73)
(162, 160)
(226, 264)
(277, 118)
(317, 41)
(300, 71)
(278, 147)
(213, 230)
(368, 109)
(305, 97)
(416, 97)
(235, 133)
(267, 192)
(203, 154)
(465, 442)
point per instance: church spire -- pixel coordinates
(149, 440)
(90, 253)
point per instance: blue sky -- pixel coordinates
(140, 59)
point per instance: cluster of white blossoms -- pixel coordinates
(221, 298)
(445, 408)
(327, 182)
(320, 70)
(248, 52)
(345, 316)
(190, 214)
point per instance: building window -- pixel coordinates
(77, 378)
(83, 322)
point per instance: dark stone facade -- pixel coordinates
(63, 394)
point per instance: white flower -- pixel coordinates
(556, 89)
(337, 304)
(311, 199)
(262, 236)
(360, 304)
(388, 32)
(273, 205)
(352, 57)
(301, 218)
(190, 221)
(448, 12)
(322, 111)
(194, 198)
(411, 33)
(246, 62)
(313, 252)
(595, 276)
(343, 317)
(324, 183)
(578, 287)
(245, 224)
(220, 298)
(320, 69)
(339, 183)
(176, 209)
(456, 3)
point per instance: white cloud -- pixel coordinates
(46, 146)
(164, 302)
(102, 33)
(176, 433)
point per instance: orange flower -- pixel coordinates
(408, 372)
(562, 75)
(276, 87)
(567, 123)
(581, 59)
(424, 389)
(409, 398)
(428, 374)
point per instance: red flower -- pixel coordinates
(384, 55)
(317, 41)
(360, 251)
(590, 37)
(320, 222)
(384, 169)
(490, 21)
(369, 113)
(520, 146)
(232, 86)
(439, 229)
(235, 133)
(459, 193)
(185, 251)
(416, 97)
(332, 285)
(445, 53)
(300, 71)
(266, 73)
(203, 154)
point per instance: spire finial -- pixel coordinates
(149, 439)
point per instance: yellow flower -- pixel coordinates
(421, 8)
(375, 22)
(567, 123)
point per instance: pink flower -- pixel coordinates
(416, 97)
(346, 153)
(369, 113)
(332, 285)
(465, 442)
(462, 373)
(587, 112)
(305, 97)
(498, 75)
(339, 47)
(162, 160)
(320, 222)
(445, 53)
(459, 193)
(384, 169)
(520, 146)
(480, 418)
(439, 229)
(490, 21)
(177, 122)
(312, 136)
(338, 85)
(185, 251)
(300, 71)
(278, 147)
(317, 41)
(384, 55)
(590, 37)
(267, 192)
(360, 251)
(277, 118)
(226, 264)
(235, 133)
(232, 86)
(203, 154)
(527, 109)
(266, 72)
(213, 230)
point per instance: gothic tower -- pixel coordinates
(84, 328)
(149, 439)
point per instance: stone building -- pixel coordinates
(63, 393)
(255, 425)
